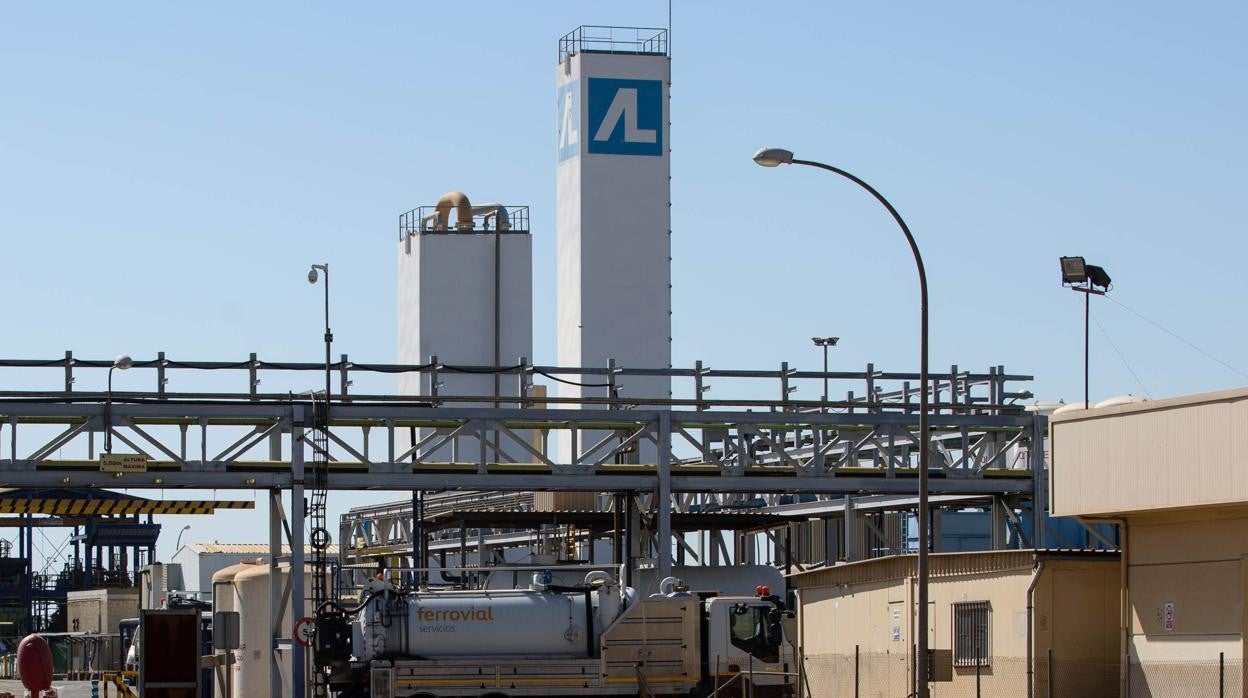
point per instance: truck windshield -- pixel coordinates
(754, 631)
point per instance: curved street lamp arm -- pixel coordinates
(914, 248)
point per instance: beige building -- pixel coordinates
(93, 618)
(1174, 474)
(997, 619)
(100, 610)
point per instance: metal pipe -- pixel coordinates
(1031, 607)
(463, 211)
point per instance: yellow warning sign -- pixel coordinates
(123, 463)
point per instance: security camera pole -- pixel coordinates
(329, 336)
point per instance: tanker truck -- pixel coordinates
(594, 638)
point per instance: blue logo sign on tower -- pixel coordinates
(568, 128)
(625, 116)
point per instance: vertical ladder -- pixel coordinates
(320, 537)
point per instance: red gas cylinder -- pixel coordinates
(34, 663)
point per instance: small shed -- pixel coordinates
(1001, 622)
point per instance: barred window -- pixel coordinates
(972, 640)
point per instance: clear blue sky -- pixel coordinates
(168, 172)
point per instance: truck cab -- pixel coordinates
(745, 642)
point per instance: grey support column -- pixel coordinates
(298, 664)
(1039, 481)
(999, 523)
(275, 592)
(850, 532)
(831, 541)
(663, 495)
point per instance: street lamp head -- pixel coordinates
(123, 361)
(773, 157)
(1074, 270)
(825, 341)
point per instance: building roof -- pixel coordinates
(894, 567)
(244, 549)
(1228, 395)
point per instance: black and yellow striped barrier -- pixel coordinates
(127, 506)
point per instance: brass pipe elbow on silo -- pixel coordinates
(463, 211)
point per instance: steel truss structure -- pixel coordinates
(985, 443)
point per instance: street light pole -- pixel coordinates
(771, 157)
(178, 545)
(825, 343)
(122, 362)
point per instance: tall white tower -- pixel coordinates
(466, 297)
(613, 201)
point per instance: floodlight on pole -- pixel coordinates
(773, 157)
(1085, 278)
(1074, 270)
(123, 362)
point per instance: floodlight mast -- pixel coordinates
(1082, 277)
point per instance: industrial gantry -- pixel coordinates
(985, 443)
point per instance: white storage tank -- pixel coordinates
(1121, 400)
(251, 600)
(1071, 407)
(515, 622)
(224, 598)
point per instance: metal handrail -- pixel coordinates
(957, 391)
(608, 39)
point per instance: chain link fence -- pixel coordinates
(1217, 677)
(888, 676)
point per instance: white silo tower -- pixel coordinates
(613, 201)
(465, 296)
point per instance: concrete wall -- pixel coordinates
(1174, 453)
(866, 610)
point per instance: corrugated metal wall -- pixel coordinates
(1169, 453)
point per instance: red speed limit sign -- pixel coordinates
(305, 630)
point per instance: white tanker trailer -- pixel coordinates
(592, 639)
